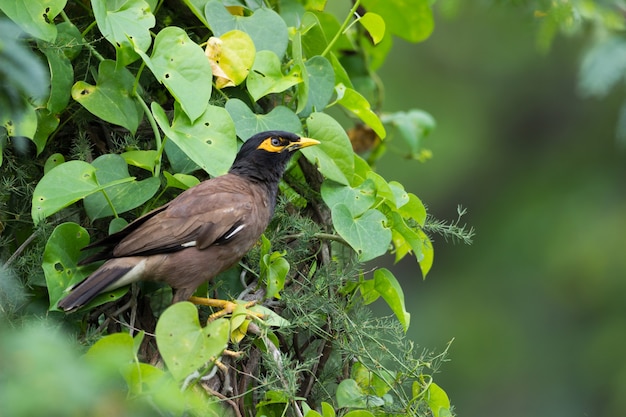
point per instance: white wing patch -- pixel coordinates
(189, 244)
(234, 232)
(135, 274)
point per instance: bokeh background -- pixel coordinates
(536, 305)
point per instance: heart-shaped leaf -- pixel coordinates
(333, 156)
(181, 65)
(186, 346)
(126, 24)
(209, 141)
(231, 57)
(266, 28)
(367, 234)
(141, 159)
(60, 264)
(267, 77)
(35, 16)
(180, 181)
(110, 99)
(358, 199)
(321, 82)
(438, 401)
(61, 76)
(60, 258)
(63, 185)
(126, 196)
(248, 123)
(412, 126)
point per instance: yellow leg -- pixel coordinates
(225, 306)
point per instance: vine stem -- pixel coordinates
(155, 129)
(86, 44)
(343, 27)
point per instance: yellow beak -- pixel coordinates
(302, 143)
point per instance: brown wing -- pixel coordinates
(199, 217)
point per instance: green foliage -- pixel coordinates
(144, 100)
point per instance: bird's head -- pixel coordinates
(265, 155)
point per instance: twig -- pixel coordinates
(20, 249)
(224, 398)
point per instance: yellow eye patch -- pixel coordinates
(273, 144)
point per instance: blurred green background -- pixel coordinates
(536, 305)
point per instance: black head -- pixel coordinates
(264, 156)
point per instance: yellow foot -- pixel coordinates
(225, 306)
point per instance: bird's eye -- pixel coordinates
(276, 142)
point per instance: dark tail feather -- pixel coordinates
(91, 287)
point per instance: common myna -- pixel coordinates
(202, 232)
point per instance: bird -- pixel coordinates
(202, 232)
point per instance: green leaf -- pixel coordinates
(270, 317)
(333, 156)
(327, 410)
(179, 161)
(405, 239)
(60, 265)
(257, 26)
(116, 224)
(267, 77)
(126, 24)
(389, 288)
(34, 16)
(181, 65)
(360, 107)
(53, 160)
(438, 400)
(349, 394)
(231, 57)
(61, 77)
(330, 26)
(47, 123)
(383, 190)
(359, 413)
(314, 40)
(302, 92)
(377, 383)
(62, 186)
(209, 141)
(60, 258)
(358, 199)
(69, 39)
(274, 270)
(374, 24)
(110, 99)
(414, 209)
(124, 197)
(180, 181)
(25, 126)
(427, 250)
(401, 197)
(413, 126)
(114, 351)
(186, 346)
(141, 159)
(321, 82)
(410, 20)
(248, 123)
(603, 66)
(367, 234)
(197, 7)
